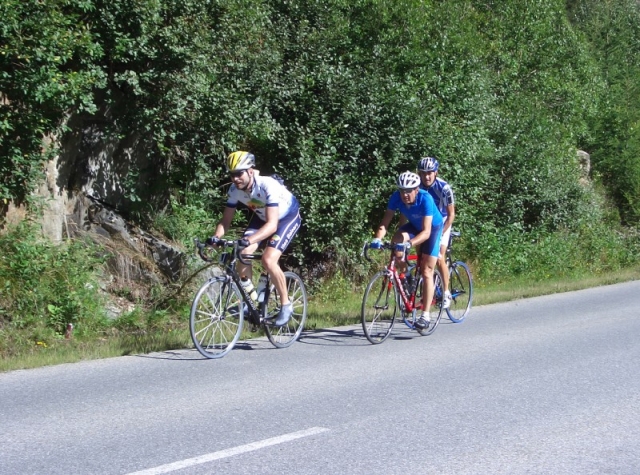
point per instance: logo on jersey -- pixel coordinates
(274, 239)
(254, 204)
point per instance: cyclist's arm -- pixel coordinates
(225, 221)
(403, 220)
(423, 235)
(451, 214)
(384, 224)
(269, 227)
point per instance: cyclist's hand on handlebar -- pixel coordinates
(212, 241)
(376, 244)
(244, 242)
(402, 246)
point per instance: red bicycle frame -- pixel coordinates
(409, 301)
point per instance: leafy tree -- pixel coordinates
(48, 70)
(339, 97)
(613, 32)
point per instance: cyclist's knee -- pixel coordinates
(270, 258)
(427, 272)
(249, 249)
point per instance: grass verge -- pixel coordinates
(524, 288)
(323, 313)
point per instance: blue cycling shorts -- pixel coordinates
(431, 246)
(288, 227)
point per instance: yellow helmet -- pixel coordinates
(240, 161)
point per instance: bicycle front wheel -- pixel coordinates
(284, 336)
(461, 288)
(379, 307)
(435, 306)
(217, 315)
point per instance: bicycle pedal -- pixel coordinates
(268, 320)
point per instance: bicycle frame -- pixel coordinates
(447, 255)
(377, 315)
(448, 259)
(256, 311)
(222, 305)
(408, 300)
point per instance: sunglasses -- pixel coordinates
(406, 191)
(237, 174)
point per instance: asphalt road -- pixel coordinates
(549, 385)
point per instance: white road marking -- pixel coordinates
(172, 467)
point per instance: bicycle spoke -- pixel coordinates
(435, 308)
(216, 318)
(286, 335)
(461, 286)
(379, 308)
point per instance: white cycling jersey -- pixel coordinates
(442, 194)
(266, 192)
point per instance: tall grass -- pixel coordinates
(46, 287)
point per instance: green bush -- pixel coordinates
(338, 97)
(592, 248)
(48, 68)
(612, 31)
(44, 287)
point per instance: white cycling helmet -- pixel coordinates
(240, 161)
(408, 180)
(428, 164)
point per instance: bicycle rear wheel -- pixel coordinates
(436, 304)
(461, 288)
(284, 336)
(217, 315)
(379, 307)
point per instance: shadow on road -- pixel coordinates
(340, 336)
(191, 354)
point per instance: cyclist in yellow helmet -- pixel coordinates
(275, 221)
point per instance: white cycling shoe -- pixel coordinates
(284, 315)
(446, 301)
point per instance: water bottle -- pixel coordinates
(248, 287)
(262, 285)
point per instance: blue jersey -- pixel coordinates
(416, 212)
(442, 194)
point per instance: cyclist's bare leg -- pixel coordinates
(245, 270)
(427, 264)
(444, 269)
(401, 263)
(270, 258)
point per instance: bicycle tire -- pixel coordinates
(461, 288)
(284, 336)
(217, 316)
(436, 301)
(409, 318)
(379, 308)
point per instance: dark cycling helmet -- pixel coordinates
(428, 164)
(408, 180)
(240, 161)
